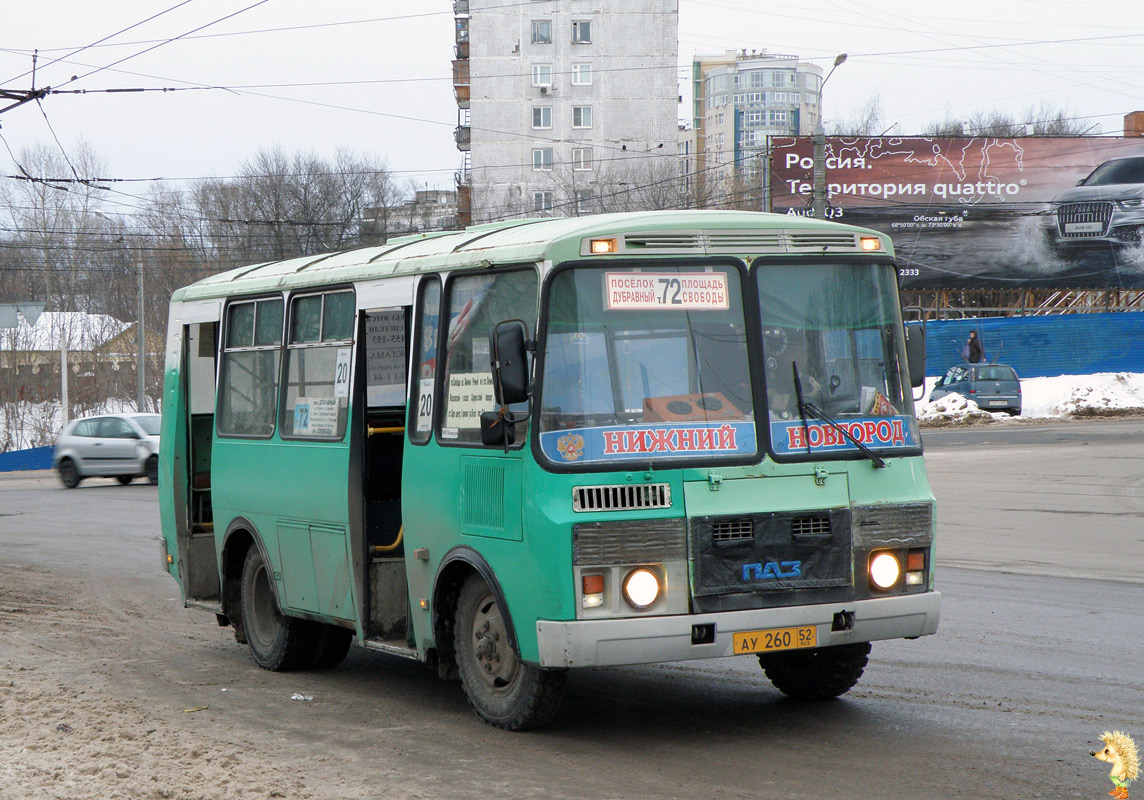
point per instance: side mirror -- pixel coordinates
(508, 346)
(916, 354)
(496, 430)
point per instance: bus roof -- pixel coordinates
(557, 239)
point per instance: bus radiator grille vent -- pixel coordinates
(678, 241)
(621, 497)
(725, 531)
(810, 526)
(823, 241)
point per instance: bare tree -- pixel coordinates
(1041, 120)
(867, 120)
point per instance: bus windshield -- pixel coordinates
(645, 365)
(834, 358)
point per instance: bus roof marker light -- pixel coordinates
(599, 247)
(870, 243)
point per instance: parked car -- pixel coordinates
(994, 387)
(1104, 208)
(123, 446)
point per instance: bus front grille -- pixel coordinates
(724, 531)
(810, 526)
(621, 497)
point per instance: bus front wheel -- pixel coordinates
(818, 674)
(502, 689)
(277, 642)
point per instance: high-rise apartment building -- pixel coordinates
(740, 99)
(555, 95)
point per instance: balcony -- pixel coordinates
(461, 82)
(463, 135)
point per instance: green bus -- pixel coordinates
(538, 445)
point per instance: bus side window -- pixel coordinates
(476, 303)
(420, 424)
(248, 386)
(318, 356)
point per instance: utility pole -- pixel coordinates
(819, 172)
(141, 339)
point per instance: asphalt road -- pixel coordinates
(1040, 649)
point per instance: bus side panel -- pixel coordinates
(295, 494)
(530, 558)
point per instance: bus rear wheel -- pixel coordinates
(277, 642)
(332, 646)
(818, 674)
(502, 689)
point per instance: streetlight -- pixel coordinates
(141, 391)
(819, 174)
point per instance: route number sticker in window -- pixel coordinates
(676, 291)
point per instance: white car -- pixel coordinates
(122, 446)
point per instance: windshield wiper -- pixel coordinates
(806, 408)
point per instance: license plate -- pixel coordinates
(998, 402)
(1084, 227)
(769, 641)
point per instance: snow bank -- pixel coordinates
(1062, 397)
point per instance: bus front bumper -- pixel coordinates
(648, 640)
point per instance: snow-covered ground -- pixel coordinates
(1066, 396)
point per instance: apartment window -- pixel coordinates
(582, 158)
(541, 74)
(755, 117)
(542, 116)
(542, 159)
(754, 97)
(581, 74)
(583, 201)
(581, 32)
(779, 117)
(542, 31)
(542, 201)
(581, 116)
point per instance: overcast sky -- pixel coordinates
(391, 62)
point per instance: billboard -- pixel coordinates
(984, 213)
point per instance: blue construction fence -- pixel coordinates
(1037, 347)
(20, 460)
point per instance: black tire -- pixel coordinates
(69, 475)
(502, 689)
(151, 470)
(125, 479)
(333, 644)
(818, 674)
(277, 642)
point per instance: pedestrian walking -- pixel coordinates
(973, 352)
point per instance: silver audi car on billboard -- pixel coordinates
(1105, 208)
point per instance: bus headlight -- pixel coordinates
(641, 588)
(885, 570)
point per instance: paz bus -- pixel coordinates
(539, 445)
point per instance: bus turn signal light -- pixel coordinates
(870, 243)
(915, 568)
(593, 594)
(600, 247)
